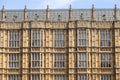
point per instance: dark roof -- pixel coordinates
(64, 14)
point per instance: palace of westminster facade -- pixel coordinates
(60, 44)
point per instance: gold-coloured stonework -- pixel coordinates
(92, 67)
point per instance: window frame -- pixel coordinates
(36, 38)
(59, 77)
(14, 39)
(106, 77)
(59, 61)
(1, 38)
(11, 60)
(37, 60)
(106, 60)
(13, 75)
(82, 60)
(82, 77)
(36, 75)
(59, 38)
(82, 37)
(105, 38)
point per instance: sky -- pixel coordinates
(58, 4)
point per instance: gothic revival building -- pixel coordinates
(60, 44)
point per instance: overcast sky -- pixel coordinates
(59, 4)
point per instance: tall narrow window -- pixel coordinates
(36, 60)
(13, 61)
(59, 38)
(105, 38)
(59, 77)
(14, 39)
(1, 36)
(36, 77)
(106, 60)
(13, 77)
(105, 77)
(36, 38)
(82, 60)
(81, 37)
(82, 77)
(59, 60)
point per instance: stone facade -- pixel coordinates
(16, 39)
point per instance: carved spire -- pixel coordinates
(3, 8)
(70, 7)
(115, 12)
(70, 13)
(3, 13)
(93, 11)
(25, 13)
(47, 13)
(25, 9)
